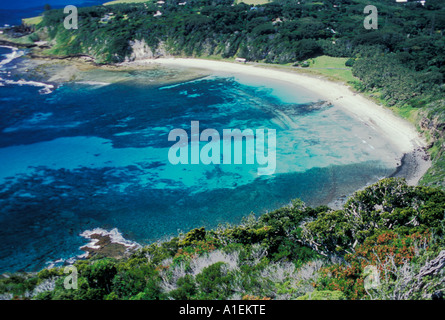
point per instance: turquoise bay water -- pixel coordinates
(92, 155)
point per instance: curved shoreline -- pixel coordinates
(413, 161)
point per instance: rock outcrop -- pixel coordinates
(141, 50)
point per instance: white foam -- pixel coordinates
(15, 54)
(115, 237)
(47, 88)
(9, 57)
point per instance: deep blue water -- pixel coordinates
(95, 155)
(12, 12)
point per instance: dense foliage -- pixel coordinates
(281, 32)
(295, 252)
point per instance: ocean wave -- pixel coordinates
(46, 88)
(9, 57)
(115, 237)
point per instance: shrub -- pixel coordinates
(214, 282)
(350, 62)
(323, 295)
(186, 290)
(377, 250)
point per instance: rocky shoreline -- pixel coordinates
(109, 244)
(16, 44)
(413, 166)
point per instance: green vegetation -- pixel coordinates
(295, 252)
(33, 21)
(125, 1)
(323, 295)
(333, 68)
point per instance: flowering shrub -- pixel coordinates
(377, 250)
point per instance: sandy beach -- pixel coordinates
(402, 134)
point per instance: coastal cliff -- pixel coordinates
(141, 51)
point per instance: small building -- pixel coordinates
(422, 2)
(277, 20)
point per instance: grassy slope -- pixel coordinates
(331, 67)
(33, 21)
